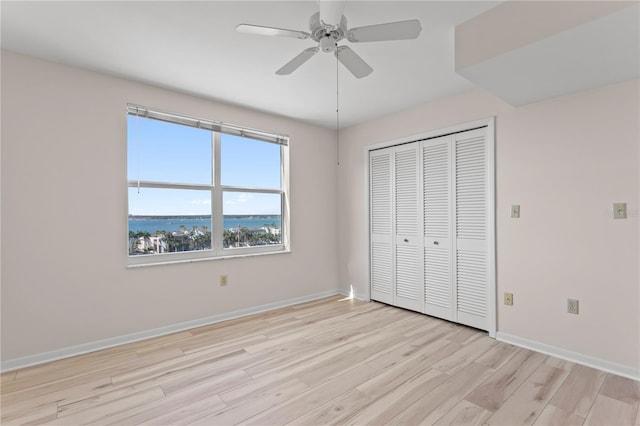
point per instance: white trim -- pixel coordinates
(217, 192)
(70, 351)
(360, 296)
(578, 358)
(491, 229)
(431, 134)
(343, 292)
(232, 255)
(217, 214)
(357, 296)
(366, 223)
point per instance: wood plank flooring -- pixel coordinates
(332, 361)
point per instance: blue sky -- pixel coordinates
(165, 152)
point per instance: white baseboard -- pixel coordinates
(41, 358)
(344, 292)
(578, 358)
(362, 297)
(357, 296)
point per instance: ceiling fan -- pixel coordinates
(328, 27)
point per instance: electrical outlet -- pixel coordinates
(573, 306)
(619, 210)
(515, 211)
(508, 299)
(223, 280)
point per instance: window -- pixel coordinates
(201, 189)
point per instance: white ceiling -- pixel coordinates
(193, 47)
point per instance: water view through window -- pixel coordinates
(178, 204)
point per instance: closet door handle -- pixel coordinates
(406, 240)
(435, 243)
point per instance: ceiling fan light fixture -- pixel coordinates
(328, 44)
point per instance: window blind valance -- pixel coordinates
(200, 123)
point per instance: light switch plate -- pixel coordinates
(619, 210)
(573, 306)
(515, 211)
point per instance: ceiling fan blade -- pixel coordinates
(354, 63)
(296, 62)
(403, 30)
(331, 12)
(271, 31)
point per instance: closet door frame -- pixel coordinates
(489, 123)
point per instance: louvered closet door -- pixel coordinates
(409, 288)
(431, 218)
(439, 292)
(472, 257)
(380, 196)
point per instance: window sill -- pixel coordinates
(205, 259)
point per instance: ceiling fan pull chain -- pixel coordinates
(337, 110)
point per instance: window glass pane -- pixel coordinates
(251, 219)
(169, 220)
(250, 163)
(166, 152)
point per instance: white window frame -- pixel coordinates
(217, 190)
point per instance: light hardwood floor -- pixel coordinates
(333, 361)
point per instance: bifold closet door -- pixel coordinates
(395, 218)
(472, 227)
(430, 213)
(380, 220)
(407, 202)
(439, 292)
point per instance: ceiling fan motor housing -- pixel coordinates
(328, 44)
(328, 37)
